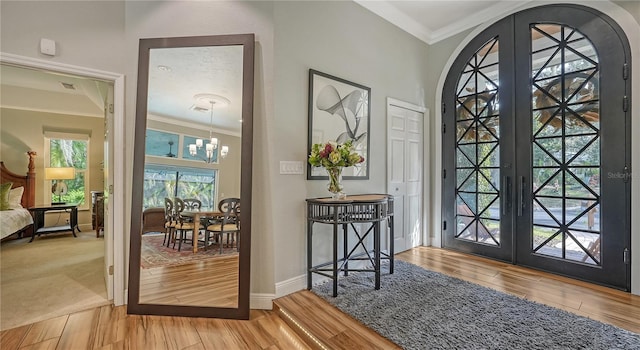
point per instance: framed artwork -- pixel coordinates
(339, 111)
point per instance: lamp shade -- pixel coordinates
(59, 173)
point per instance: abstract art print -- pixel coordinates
(339, 111)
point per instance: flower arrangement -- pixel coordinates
(333, 157)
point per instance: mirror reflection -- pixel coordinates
(190, 237)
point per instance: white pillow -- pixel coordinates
(15, 197)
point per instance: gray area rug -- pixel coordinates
(421, 309)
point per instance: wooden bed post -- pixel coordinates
(31, 180)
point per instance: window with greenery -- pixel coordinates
(71, 151)
(162, 181)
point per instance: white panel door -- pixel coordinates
(404, 172)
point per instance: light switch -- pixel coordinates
(288, 167)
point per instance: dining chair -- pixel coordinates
(169, 221)
(192, 204)
(227, 224)
(184, 224)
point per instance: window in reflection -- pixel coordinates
(161, 143)
(164, 181)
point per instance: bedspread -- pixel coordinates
(11, 221)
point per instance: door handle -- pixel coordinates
(521, 196)
(506, 195)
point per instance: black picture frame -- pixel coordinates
(339, 110)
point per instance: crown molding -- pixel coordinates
(390, 13)
(396, 17)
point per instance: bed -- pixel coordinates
(22, 196)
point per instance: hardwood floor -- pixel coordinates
(110, 327)
(211, 282)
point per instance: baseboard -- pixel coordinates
(260, 301)
(291, 285)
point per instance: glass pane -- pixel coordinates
(566, 150)
(489, 155)
(553, 147)
(589, 156)
(550, 211)
(547, 241)
(477, 143)
(547, 122)
(489, 231)
(468, 152)
(68, 153)
(485, 200)
(465, 228)
(162, 181)
(467, 203)
(162, 144)
(553, 187)
(470, 185)
(583, 246)
(544, 36)
(466, 132)
(578, 187)
(542, 207)
(542, 158)
(462, 175)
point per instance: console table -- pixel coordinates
(365, 209)
(38, 219)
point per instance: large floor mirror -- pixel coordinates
(191, 200)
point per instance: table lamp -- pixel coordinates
(58, 174)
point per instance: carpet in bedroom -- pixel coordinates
(54, 275)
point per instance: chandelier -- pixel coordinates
(212, 145)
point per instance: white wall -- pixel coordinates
(88, 34)
(342, 39)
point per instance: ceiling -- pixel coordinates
(432, 21)
(174, 89)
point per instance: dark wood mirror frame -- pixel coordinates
(134, 306)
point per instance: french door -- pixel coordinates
(536, 145)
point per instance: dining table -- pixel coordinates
(197, 215)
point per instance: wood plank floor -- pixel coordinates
(110, 327)
(210, 282)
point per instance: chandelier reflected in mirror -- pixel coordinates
(211, 101)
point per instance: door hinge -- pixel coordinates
(110, 270)
(110, 107)
(444, 173)
(627, 174)
(444, 107)
(625, 103)
(626, 256)
(444, 128)
(625, 71)
(444, 225)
